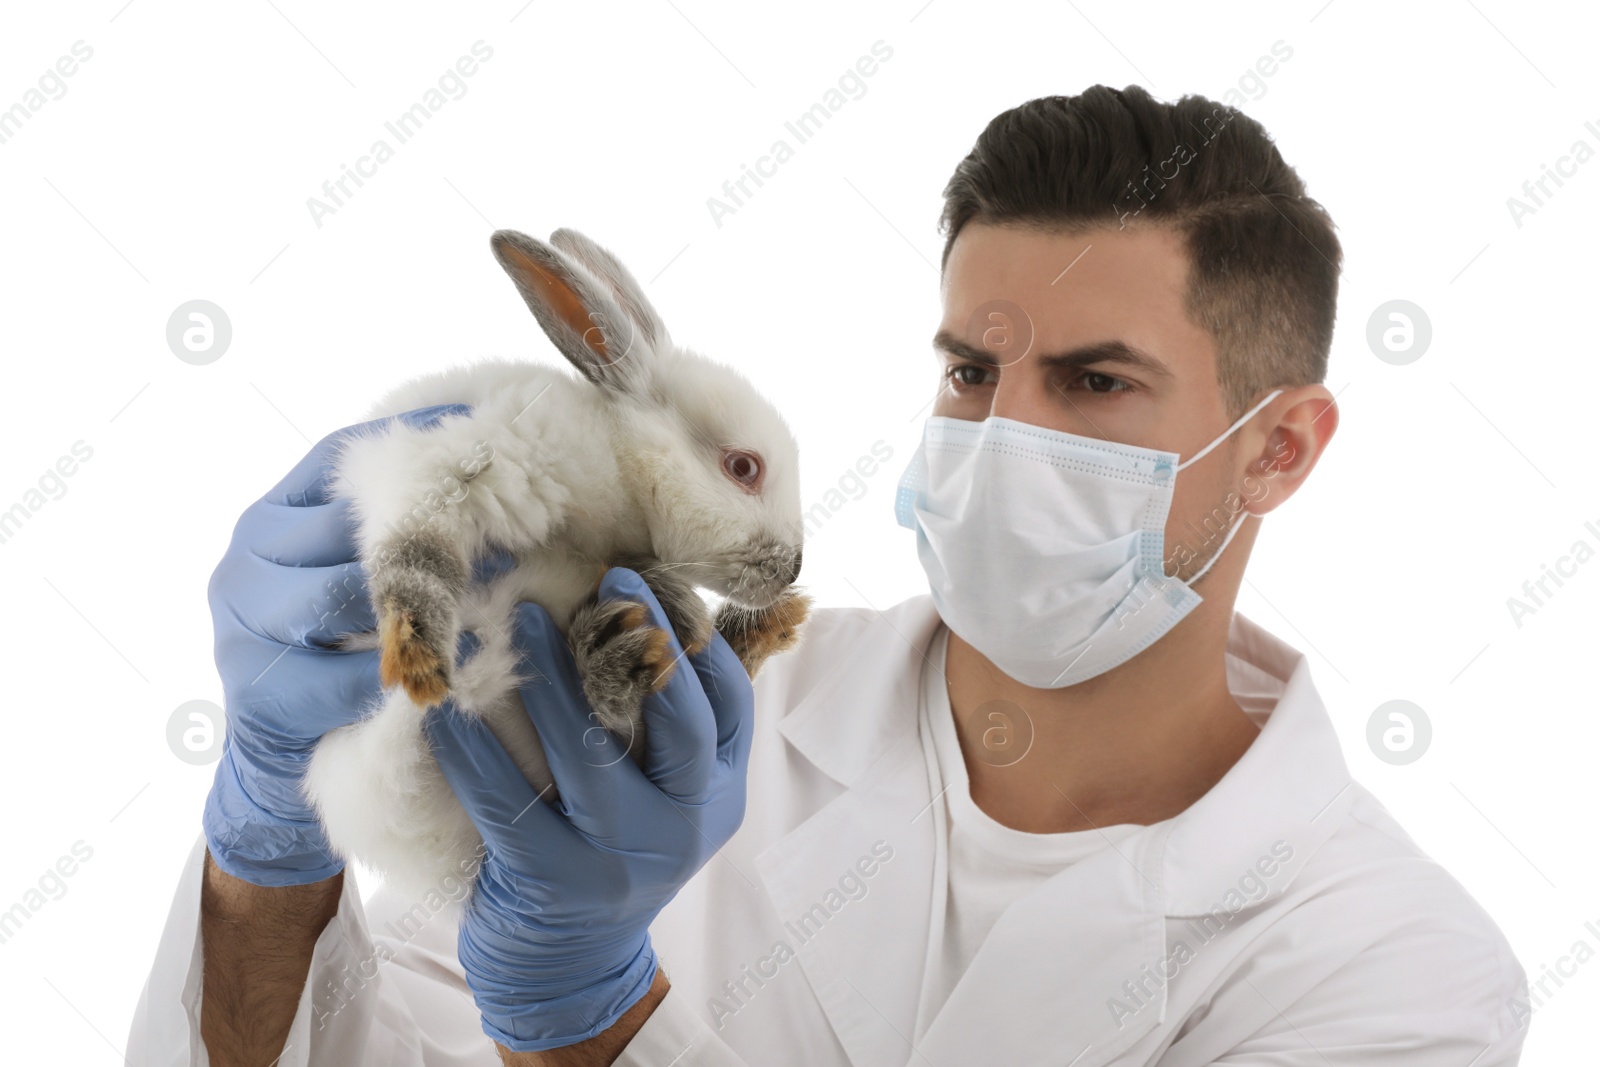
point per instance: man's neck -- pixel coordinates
(1137, 744)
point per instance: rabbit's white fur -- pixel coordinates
(572, 464)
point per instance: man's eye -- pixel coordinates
(1103, 383)
(966, 374)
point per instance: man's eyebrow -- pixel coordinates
(1082, 356)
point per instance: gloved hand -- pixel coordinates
(289, 584)
(555, 939)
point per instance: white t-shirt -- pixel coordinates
(985, 865)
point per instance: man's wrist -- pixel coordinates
(521, 1019)
(257, 846)
(602, 1049)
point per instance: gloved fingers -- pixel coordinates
(299, 695)
(727, 686)
(599, 784)
(307, 484)
(318, 535)
(513, 819)
(680, 729)
(300, 583)
(307, 607)
(295, 695)
(424, 417)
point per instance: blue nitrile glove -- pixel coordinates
(555, 939)
(287, 587)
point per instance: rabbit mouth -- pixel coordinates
(760, 581)
(762, 599)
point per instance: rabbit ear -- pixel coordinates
(576, 311)
(609, 269)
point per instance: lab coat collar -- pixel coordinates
(1287, 792)
(1291, 785)
(844, 745)
(858, 724)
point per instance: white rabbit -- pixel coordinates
(655, 458)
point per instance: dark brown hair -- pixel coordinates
(1264, 271)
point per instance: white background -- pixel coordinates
(178, 164)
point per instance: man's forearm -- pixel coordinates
(257, 949)
(601, 1050)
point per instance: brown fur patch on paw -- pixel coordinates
(758, 634)
(685, 611)
(406, 660)
(658, 658)
(626, 617)
(779, 629)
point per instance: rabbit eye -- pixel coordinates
(742, 467)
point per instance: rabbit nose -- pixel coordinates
(794, 568)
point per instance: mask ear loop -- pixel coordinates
(1233, 528)
(1229, 431)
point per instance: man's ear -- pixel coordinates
(1309, 418)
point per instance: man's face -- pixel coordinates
(1087, 334)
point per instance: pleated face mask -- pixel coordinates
(1044, 550)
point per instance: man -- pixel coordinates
(1067, 809)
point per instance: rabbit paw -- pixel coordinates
(755, 634)
(415, 586)
(412, 653)
(622, 659)
(686, 612)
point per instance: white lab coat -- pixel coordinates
(1283, 919)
